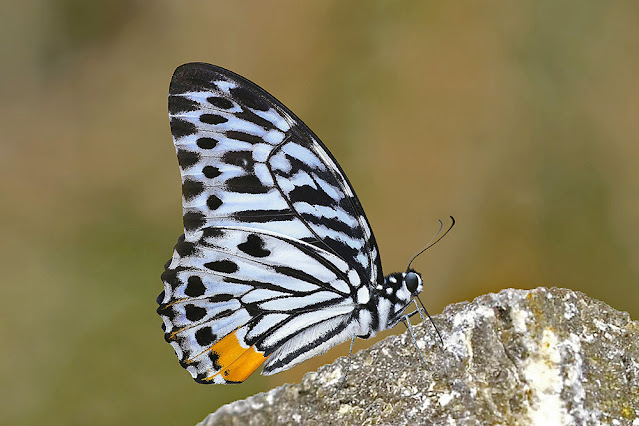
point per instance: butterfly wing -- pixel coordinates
(276, 244)
(240, 297)
(247, 160)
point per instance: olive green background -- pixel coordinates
(521, 119)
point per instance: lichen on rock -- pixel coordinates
(547, 356)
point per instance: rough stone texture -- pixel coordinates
(543, 356)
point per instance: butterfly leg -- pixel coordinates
(421, 311)
(348, 365)
(431, 320)
(406, 320)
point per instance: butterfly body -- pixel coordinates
(278, 262)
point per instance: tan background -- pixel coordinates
(518, 118)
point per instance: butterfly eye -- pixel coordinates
(412, 281)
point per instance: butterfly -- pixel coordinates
(278, 262)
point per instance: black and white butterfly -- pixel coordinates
(278, 262)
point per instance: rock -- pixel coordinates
(547, 356)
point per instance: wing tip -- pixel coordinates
(197, 75)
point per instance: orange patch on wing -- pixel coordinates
(236, 361)
(244, 366)
(228, 350)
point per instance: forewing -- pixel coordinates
(246, 160)
(240, 297)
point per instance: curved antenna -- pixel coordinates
(431, 242)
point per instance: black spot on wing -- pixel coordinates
(254, 246)
(170, 277)
(213, 202)
(249, 98)
(225, 266)
(219, 102)
(191, 189)
(244, 137)
(194, 313)
(308, 194)
(187, 158)
(194, 287)
(211, 172)
(204, 336)
(221, 297)
(212, 233)
(178, 104)
(180, 128)
(242, 159)
(213, 119)
(169, 312)
(246, 184)
(185, 248)
(193, 221)
(207, 143)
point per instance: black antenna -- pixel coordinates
(431, 243)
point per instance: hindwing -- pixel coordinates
(241, 296)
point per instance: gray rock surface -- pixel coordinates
(547, 356)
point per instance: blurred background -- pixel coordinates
(518, 118)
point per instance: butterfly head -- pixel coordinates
(393, 296)
(400, 288)
(403, 286)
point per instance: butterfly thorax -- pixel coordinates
(388, 301)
